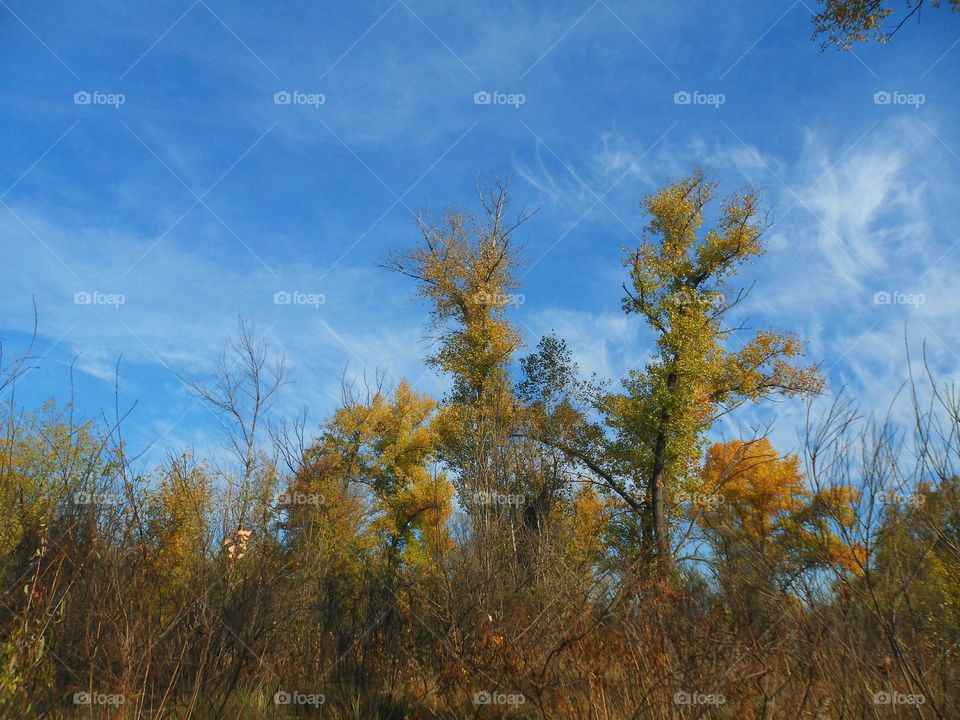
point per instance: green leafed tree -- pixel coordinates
(701, 369)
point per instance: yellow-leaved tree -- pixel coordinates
(844, 23)
(178, 518)
(372, 473)
(465, 266)
(679, 286)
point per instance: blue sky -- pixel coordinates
(183, 187)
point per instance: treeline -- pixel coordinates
(534, 544)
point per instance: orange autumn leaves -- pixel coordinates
(763, 503)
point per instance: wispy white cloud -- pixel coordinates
(857, 221)
(181, 303)
(604, 344)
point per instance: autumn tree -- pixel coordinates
(63, 513)
(765, 525)
(465, 268)
(364, 519)
(387, 446)
(844, 23)
(918, 551)
(679, 287)
(178, 516)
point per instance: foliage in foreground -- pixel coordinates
(535, 544)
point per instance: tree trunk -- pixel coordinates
(657, 493)
(658, 488)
